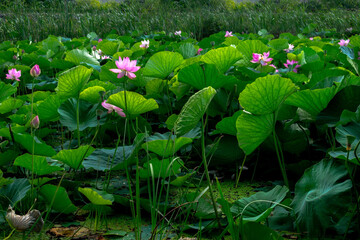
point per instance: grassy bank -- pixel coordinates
(35, 20)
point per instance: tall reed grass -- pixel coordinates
(35, 20)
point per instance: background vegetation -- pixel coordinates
(36, 19)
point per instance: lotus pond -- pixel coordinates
(161, 136)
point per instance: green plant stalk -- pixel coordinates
(78, 120)
(241, 169)
(33, 138)
(132, 207)
(112, 160)
(11, 233)
(281, 161)
(207, 170)
(137, 190)
(52, 202)
(234, 232)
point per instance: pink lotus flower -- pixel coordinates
(311, 39)
(126, 68)
(35, 71)
(344, 42)
(13, 74)
(228, 34)
(291, 47)
(290, 65)
(99, 40)
(261, 58)
(199, 51)
(145, 44)
(94, 48)
(35, 123)
(111, 108)
(178, 33)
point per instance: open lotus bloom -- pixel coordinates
(292, 65)
(13, 74)
(228, 34)
(261, 58)
(178, 33)
(125, 68)
(145, 44)
(344, 42)
(30, 220)
(291, 47)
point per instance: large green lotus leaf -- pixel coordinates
(187, 50)
(14, 192)
(7, 157)
(91, 94)
(193, 110)
(6, 90)
(38, 165)
(107, 85)
(87, 114)
(254, 210)
(161, 168)
(204, 76)
(59, 198)
(248, 47)
(341, 153)
(279, 44)
(48, 109)
(161, 64)
(223, 58)
(256, 231)
(74, 157)
(312, 101)
(40, 148)
(228, 125)
(10, 104)
(253, 130)
(72, 81)
(266, 94)
(78, 57)
(321, 197)
(106, 75)
(97, 197)
(133, 104)
(349, 126)
(103, 159)
(166, 147)
(109, 47)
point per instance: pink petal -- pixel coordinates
(115, 70)
(120, 75)
(130, 75)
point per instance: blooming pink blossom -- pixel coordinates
(228, 34)
(99, 40)
(35, 71)
(311, 39)
(13, 74)
(94, 48)
(291, 47)
(261, 58)
(111, 108)
(145, 44)
(35, 123)
(126, 68)
(199, 51)
(344, 42)
(290, 64)
(178, 33)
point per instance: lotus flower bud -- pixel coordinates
(35, 123)
(35, 71)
